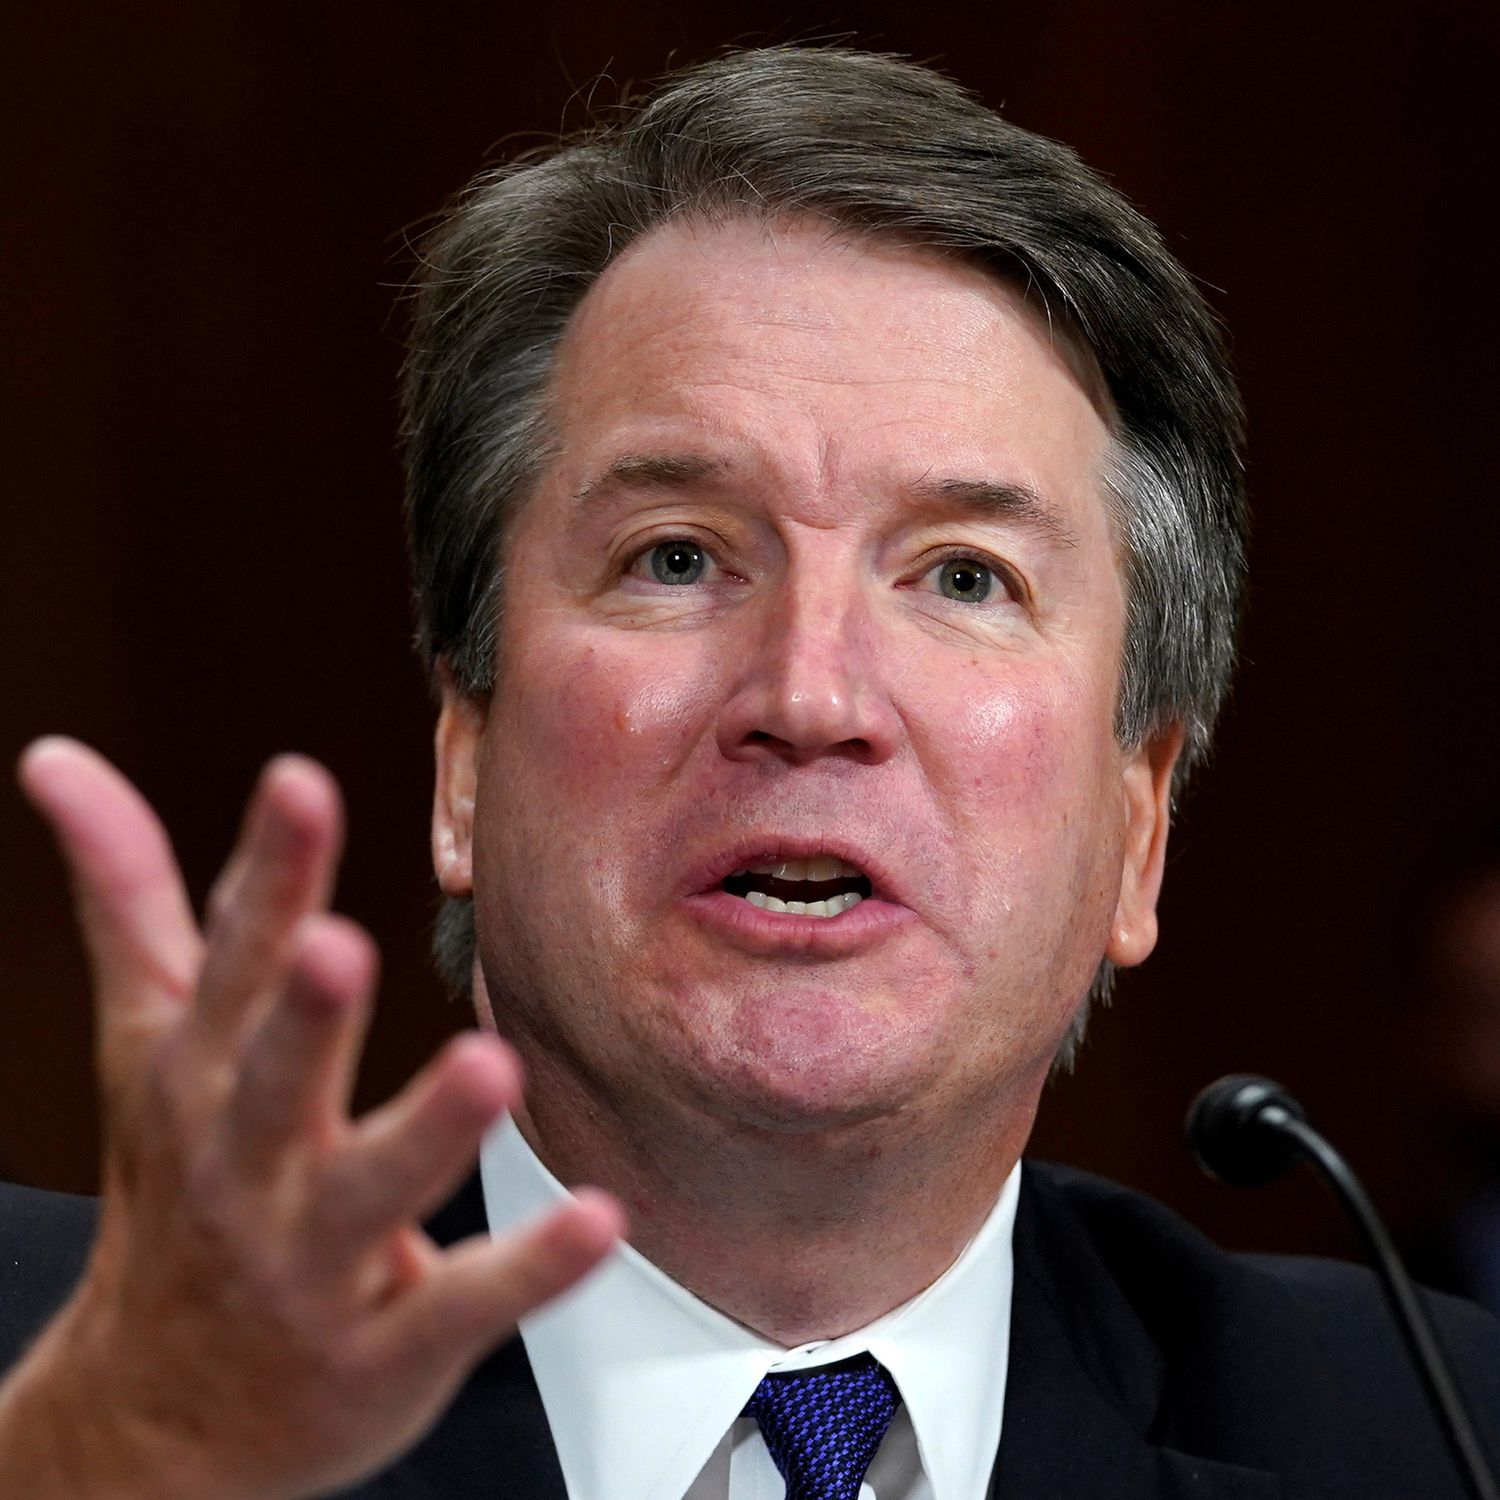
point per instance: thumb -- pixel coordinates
(480, 1289)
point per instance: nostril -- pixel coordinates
(792, 750)
(798, 728)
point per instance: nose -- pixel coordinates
(810, 682)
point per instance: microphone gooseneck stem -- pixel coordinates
(1411, 1316)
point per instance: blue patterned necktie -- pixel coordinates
(822, 1426)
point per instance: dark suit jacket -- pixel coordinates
(1145, 1364)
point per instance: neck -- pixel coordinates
(799, 1235)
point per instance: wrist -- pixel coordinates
(72, 1427)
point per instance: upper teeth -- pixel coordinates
(820, 867)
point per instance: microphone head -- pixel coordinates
(1233, 1130)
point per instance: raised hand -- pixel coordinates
(261, 1317)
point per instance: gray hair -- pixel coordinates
(872, 145)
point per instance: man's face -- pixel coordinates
(820, 599)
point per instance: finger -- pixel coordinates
(480, 1289)
(232, 877)
(142, 941)
(281, 871)
(298, 1071)
(405, 1158)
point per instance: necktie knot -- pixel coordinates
(822, 1426)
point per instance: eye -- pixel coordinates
(965, 579)
(677, 561)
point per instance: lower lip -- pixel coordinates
(757, 930)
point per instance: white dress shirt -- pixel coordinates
(643, 1383)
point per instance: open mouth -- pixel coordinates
(819, 887)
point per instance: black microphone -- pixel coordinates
(1245, 1131)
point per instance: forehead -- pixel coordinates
(834, 360)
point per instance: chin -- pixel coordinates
(808, 1063)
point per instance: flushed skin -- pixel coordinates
(829, 421)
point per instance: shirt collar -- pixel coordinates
(640, 1379)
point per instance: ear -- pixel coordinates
(460, 730)
(1148, 811)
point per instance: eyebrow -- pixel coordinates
(985, 499)
(651, 471)
(994, 500)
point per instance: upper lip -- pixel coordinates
(763, 848)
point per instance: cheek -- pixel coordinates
(1032, 741)
(1029, 765)
(582, 739)
(583, 716)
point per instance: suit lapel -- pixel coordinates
(493, 1443)
(1086, 1380)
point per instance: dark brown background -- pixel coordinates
(204, 206)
